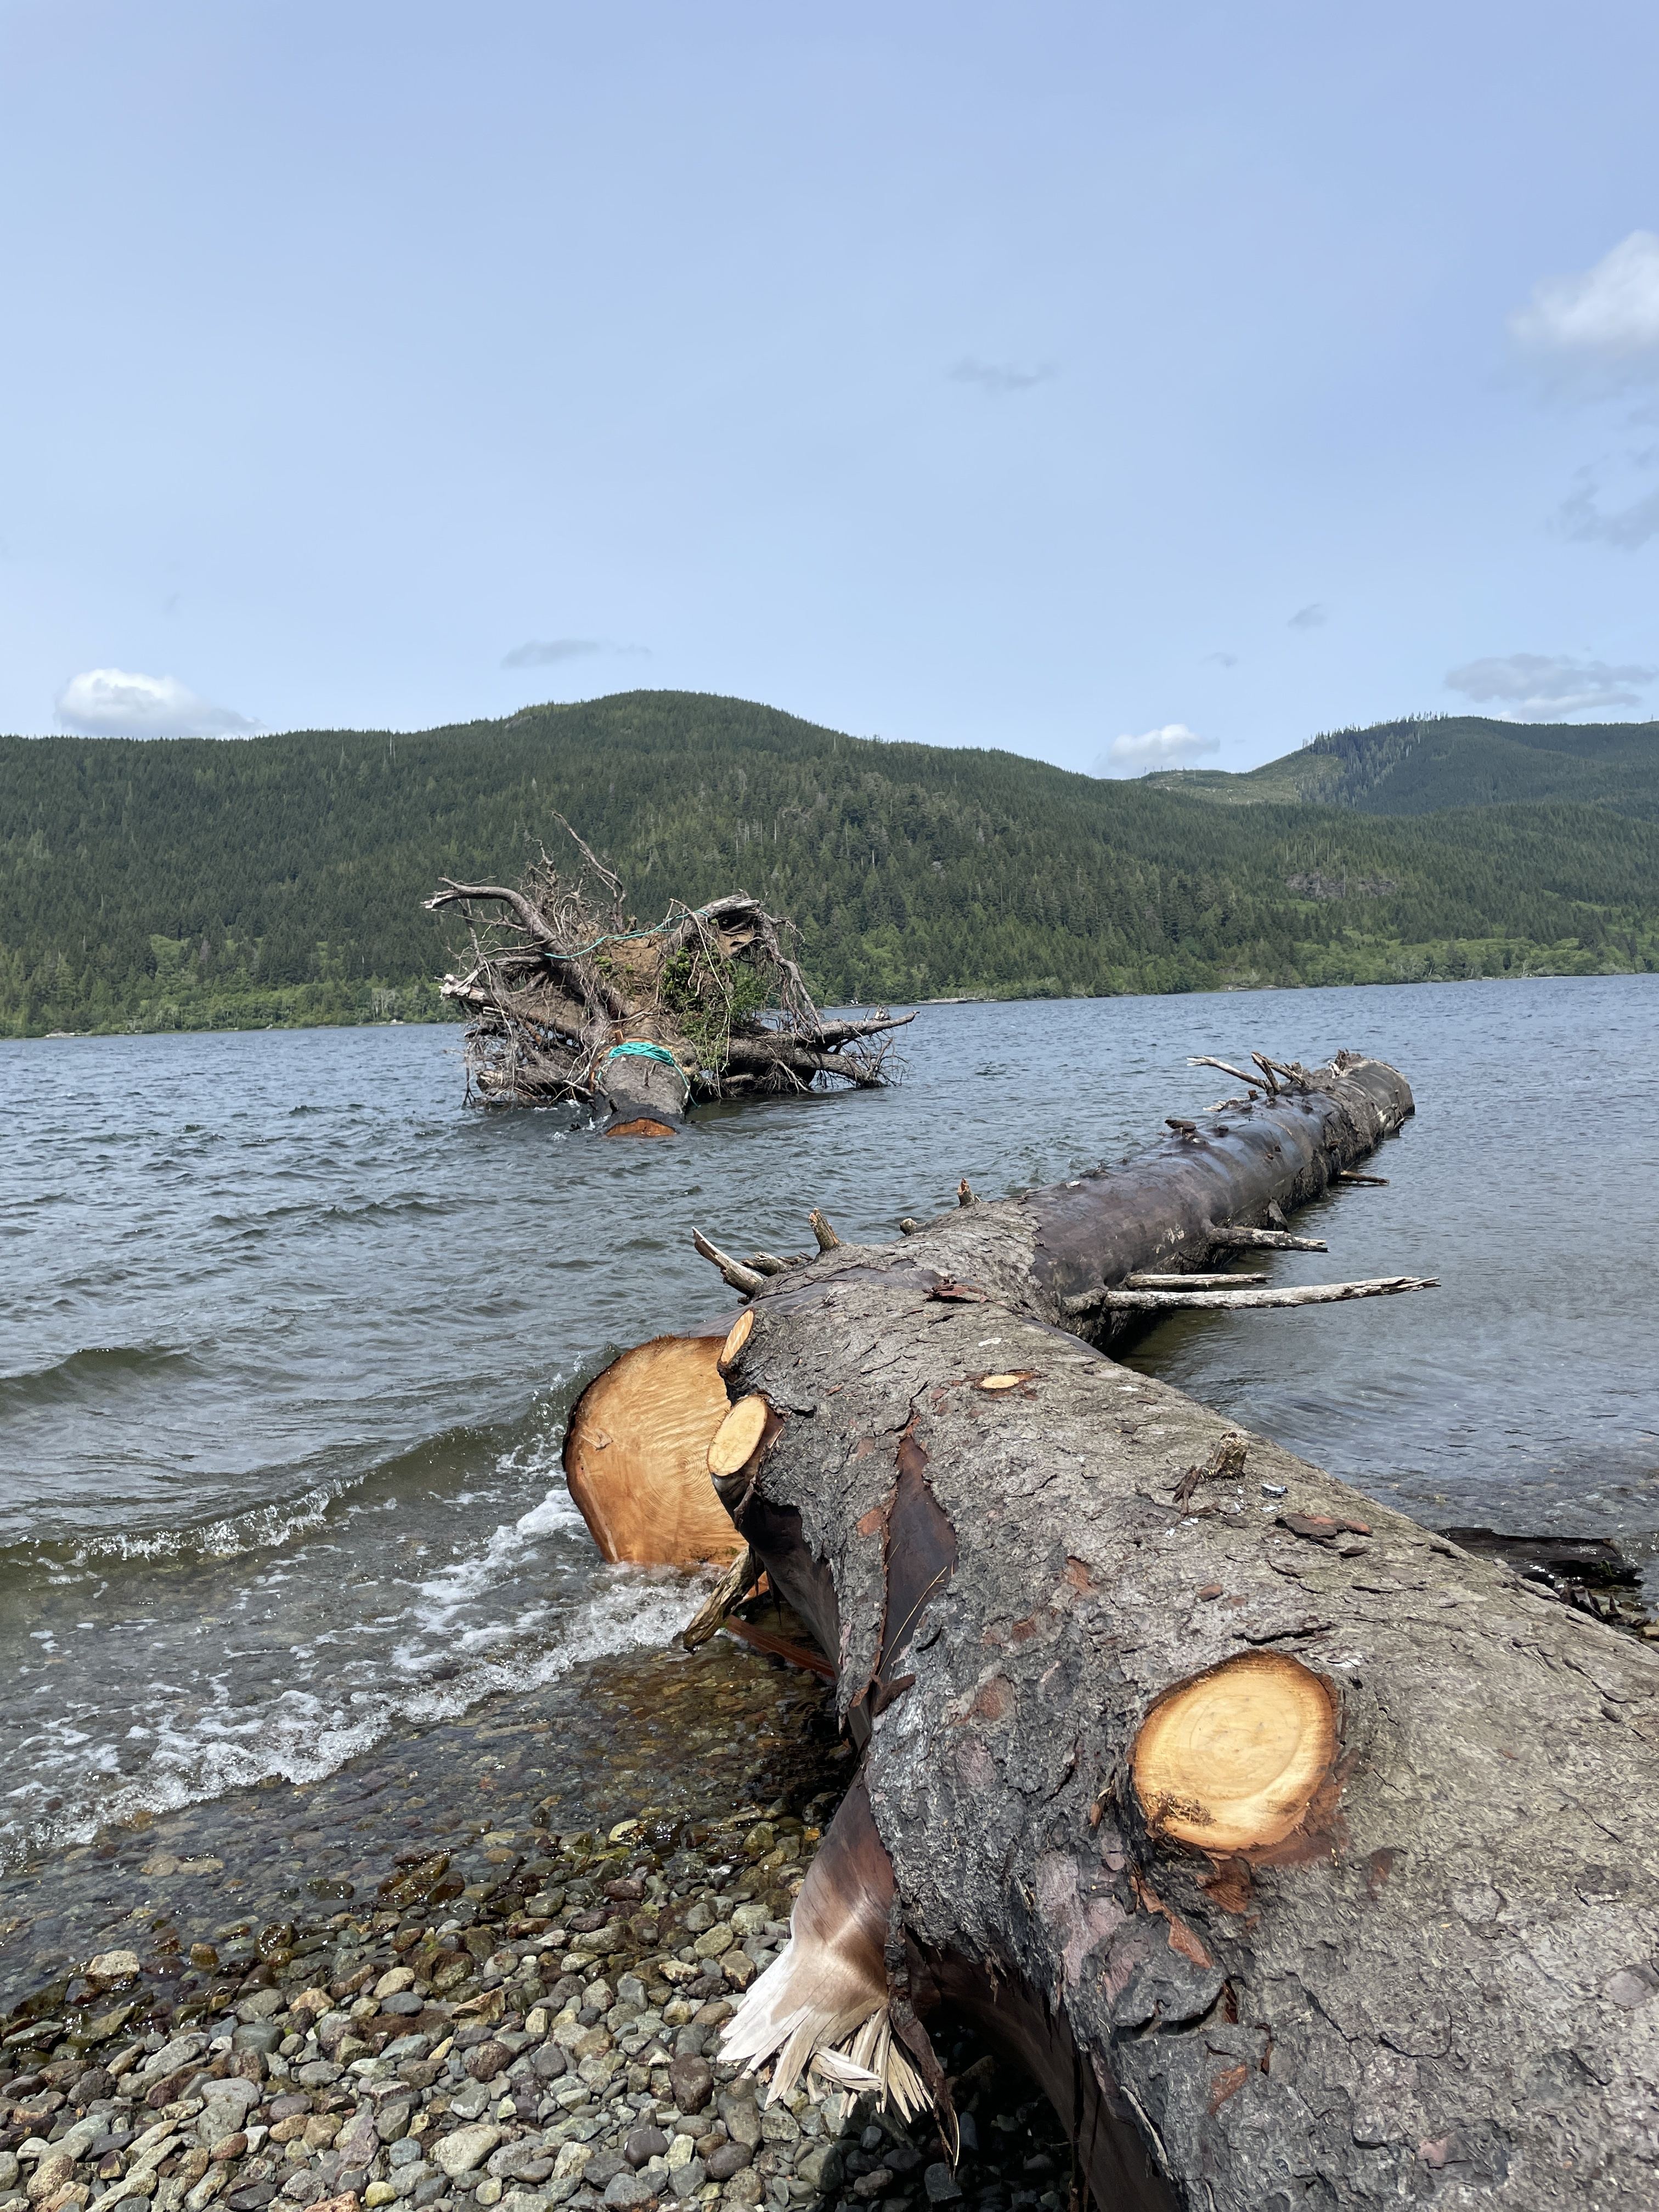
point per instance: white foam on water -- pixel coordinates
(262, 1528)
(452, 1587)
(302, 1661)
(300, 1736)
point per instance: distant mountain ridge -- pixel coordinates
(1422, 765)
(197, 883)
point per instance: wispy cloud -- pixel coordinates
(1171, 746)
(1547, 687)
(1000, 378)
(1314, 615)
(114, 703)
(1604, 321)
(1221, 660)
(548, 652)
(1581, 516)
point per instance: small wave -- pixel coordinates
(93, 1370)
(299, 1737)
(389, 1209)
(528, 1446)
(452, 1587)
(308, 1210)
(261, 1528)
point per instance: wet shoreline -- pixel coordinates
(484, 1965)
(659, 1735)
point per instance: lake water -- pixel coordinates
(289, 1336)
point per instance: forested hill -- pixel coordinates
(1425, 763)
(185, 883)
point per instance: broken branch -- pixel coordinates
(1274, 1240)
(1294, 1294)
(740, 1577)
(740, 1277)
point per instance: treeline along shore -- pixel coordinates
(193, 883)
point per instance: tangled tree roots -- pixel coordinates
(571, 1000)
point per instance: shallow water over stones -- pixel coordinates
(475, 2006)
(665, 1738)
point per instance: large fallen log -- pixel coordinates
(1306, 1859)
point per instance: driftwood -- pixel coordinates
(1135, 1299)
(570, 1000)
(1194, 1281)
(1305, 1859)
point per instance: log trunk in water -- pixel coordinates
(1306, 1859)
(645, 1096)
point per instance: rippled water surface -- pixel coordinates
(289, 1335)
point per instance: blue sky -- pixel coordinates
(1045, 377)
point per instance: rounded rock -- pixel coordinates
(692, 2082)
(629, 2189)
(643, 2144)
(467, 2148)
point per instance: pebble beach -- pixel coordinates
(505, 2009)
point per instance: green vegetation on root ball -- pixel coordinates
(187, 883)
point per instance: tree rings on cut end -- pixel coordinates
(636, 1455)
(736, 1337)
(1233, 1759)
(738, 1436)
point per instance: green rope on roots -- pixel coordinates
(640, 1050)
(617, 937)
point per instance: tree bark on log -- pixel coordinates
(1306, 1859)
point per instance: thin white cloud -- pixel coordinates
(114, 703)
(548, 653)
(1545, 687)
(1581, 516)
(1314, 615)
(1000, 378)
(1606, 317)
(1172, 746)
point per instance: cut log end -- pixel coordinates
(738, 1436)
(637, 1455)
(1233, 1760)
(736, 1337)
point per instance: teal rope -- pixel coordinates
(618, 937)
(641, 1050)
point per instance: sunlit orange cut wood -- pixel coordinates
(738, 1334)
(738, 1436)
(636, 1455)
(1233, 1759)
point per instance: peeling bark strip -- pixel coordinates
(918, 1557)
(1307, 1859)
